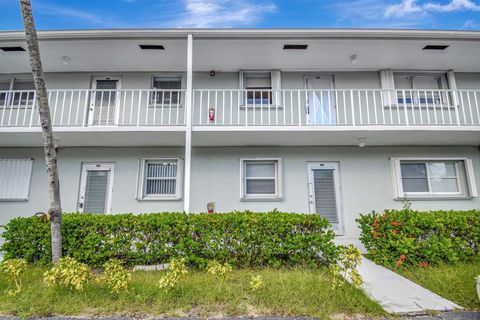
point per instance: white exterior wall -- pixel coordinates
(229, 80)
(366, 180)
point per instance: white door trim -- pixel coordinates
(334, 165)
(91, 108)
(100, 166)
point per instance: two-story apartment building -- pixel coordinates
(320, 121)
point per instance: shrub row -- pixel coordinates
(398, 238)
(244, 239)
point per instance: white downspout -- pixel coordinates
(188, 123)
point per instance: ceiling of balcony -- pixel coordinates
(231, 52)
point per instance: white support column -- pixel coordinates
(188, 122)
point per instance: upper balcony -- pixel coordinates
(362, 101)
(287, 116)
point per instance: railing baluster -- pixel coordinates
(344, 107)
(300, 111)
(26, 108)
(138, 107)
(352, 107)
(34, 103)
(469, 106)
(360, 106)
(375, 107)
(367, 107)
(223, 107)
(434, 109)
(477, 108)
(413, 105)
(231, 107)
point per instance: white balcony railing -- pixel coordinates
(91, 108)
(336, 107)
(83, 108)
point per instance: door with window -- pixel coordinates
(320, 100)
(324, 192)
(96, 187)
(104, 102)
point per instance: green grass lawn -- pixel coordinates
(299, 292)
(454, 282)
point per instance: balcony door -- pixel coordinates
(104, 102)
(324, 192)
(320, 100)
(96, 186)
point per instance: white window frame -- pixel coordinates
(275, 84)
(461, 194)
(141, 180)
(154, 104)
(29, 183)
(9, 95)
(277, 196)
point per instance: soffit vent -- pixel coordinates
(435, 47)
(12, 49)
(295, 47)
(152, 47)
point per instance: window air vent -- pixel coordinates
(12, 49)
(152, 47)
(295, 46)
(435, 47)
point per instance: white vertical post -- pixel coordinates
(188, 129)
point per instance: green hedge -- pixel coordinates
(399, 238)
(239, 238)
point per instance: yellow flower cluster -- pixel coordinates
(12, 269)
(216, 268)
(69, 273)
(256, 282)
(115, 276)
(350, 259)
(176, 270)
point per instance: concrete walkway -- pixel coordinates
(397, 294)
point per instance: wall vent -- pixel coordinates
(435, 47)
(12, 49)
(152, 47)
(295, 46)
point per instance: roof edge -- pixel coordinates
(244, 33)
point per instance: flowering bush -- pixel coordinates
(13, 270)
(350, 259)
(401, 238)
(176, 270)
(115, 276)
(218, 269)
(256, 283)
(68, 272)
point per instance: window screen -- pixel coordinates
(430, 177)
(4, 86)
(260, 178)
(168, 92)
(258, 86)
(26, 88)
(15, 175)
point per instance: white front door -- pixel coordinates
(96, 186)
(320, 100)
(324, 192)
(104, 101)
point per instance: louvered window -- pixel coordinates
(15, 176)
(160, 179)
(261, 179)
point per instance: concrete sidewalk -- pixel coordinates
(397, 294)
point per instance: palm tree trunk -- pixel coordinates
(55, 210)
